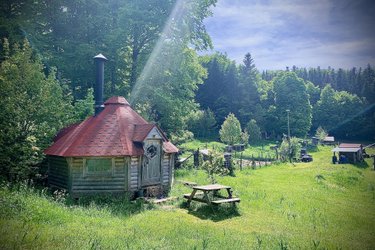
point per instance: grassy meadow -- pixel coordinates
(314, 205)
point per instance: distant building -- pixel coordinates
(349, 152)
(329, 140)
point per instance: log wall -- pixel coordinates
(113, 181)
(58, 172)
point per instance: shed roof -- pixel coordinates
(113, 132)
(329, 139)
(350, 145)
(348, 150)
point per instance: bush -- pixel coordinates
(292, 152)
(215, 166)
(321, 133)
(182, 136)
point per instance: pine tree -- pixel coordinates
(249, 96)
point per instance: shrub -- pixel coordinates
(321, 133)
(215, 166)
(290, 152)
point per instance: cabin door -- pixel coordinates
(151, 164)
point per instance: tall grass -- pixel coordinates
(314, 205)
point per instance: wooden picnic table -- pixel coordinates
(203, 195)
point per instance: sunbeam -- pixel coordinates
(178, 12)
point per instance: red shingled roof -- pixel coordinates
(113, 132)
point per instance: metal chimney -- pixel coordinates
(99, 83)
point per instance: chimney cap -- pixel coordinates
(100, 57)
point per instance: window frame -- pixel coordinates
(87, 172)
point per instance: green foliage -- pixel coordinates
(219, 92)
(290, 150)
(249, 96)
(313, 91)
(33, 109)
(125, 31)
(85, 107)
(320, 133)
(230, 131)
(291, 94)
(334, 109)
(202, 123)
(168, 90)
(245, 138)
(254, 131)
(214, 166)
(181, 136)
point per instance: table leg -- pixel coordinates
(191, 197)
(229, 193)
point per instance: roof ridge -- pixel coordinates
(122, 129)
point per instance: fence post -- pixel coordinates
(241, 161)
(196, 158)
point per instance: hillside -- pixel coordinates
(309, 205)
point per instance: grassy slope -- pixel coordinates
(281, 206)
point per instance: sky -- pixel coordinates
(281, 33)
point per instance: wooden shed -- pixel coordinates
(114, 151)
(349, 152)
(329, 140)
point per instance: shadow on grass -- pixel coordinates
(119, 205)
(362, 165)
(214, 213)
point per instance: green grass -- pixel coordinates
(314, 205)
(259, 150)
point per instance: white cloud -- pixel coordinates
(285, 33)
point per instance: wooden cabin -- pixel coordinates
(114, 151)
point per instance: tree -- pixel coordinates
(168, 90)
(33, 109)
(320, 133)
(290, 150)
(248, 93)
(368, 84)
(254, 131)
(336, 109)
(245, 138)
(215, 166)
(230, 131)
(219, 91)
(202, 123)
(84, 107)
(67, 34)
(313, 91)
(325, 114)
(291, 94)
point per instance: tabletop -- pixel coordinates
(211, 187)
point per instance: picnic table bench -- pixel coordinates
(201, 194)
